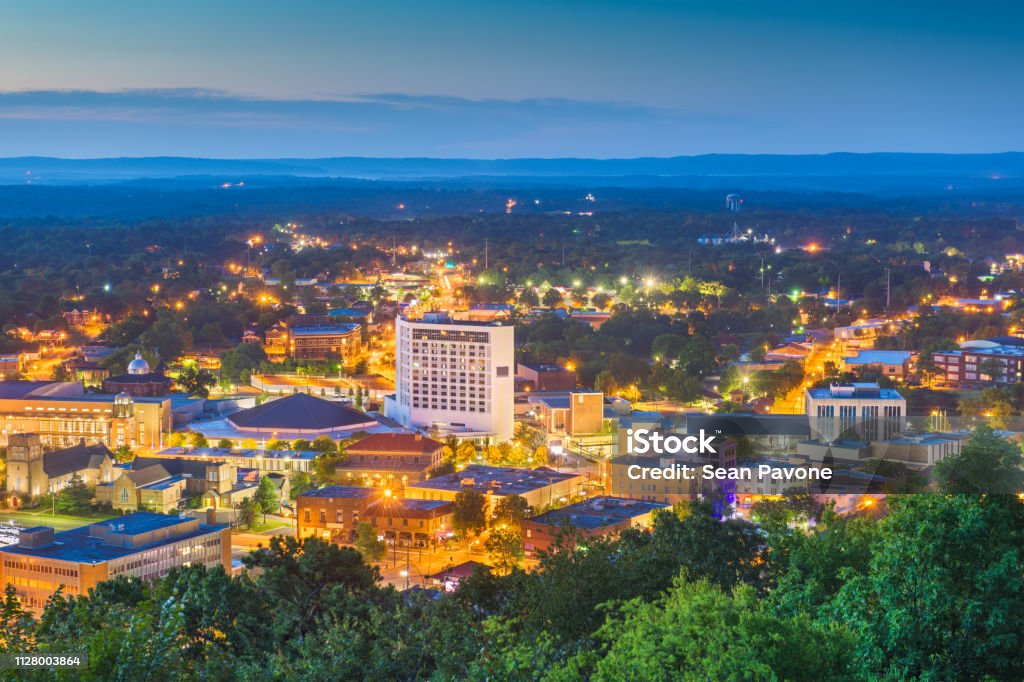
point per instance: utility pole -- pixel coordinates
(887, 291)
(839, 294)
(487, 244)
(762, 272)
(563, 254)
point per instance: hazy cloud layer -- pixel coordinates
(198, 122)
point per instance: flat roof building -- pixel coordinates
(862, 411)
(596, 517)
(143, 545)
(539, 487)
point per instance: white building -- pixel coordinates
(454, 376)
(858, 411)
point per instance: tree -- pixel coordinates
(300, 483)
(243, 358)
(275, 444)
(943, 596)
(168, 335)
(324, 444)
(698, 632)
(510, 511)
(307, 580)
(196, 381)
(266, 497)
(469, 517)
(75, 498)
(198, 440)
(505, 547)
(224, 444)
(325, 467)
(16, 624)
(605, 383)
(124, 454)
(247, 512)
(465, 453)
(552, 298)
(986, 464)
(368, 544)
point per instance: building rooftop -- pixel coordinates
(116, 538)
(443, 319)
(300, 412)
(404, 507)
(542, 368)
(497, 480)
(396, 443)
(879, 357)
(1008, 351)
(855, 391)
(77, 457)
(349, 491)
(223, 453)
(28, 389)
(324, 329)
(598, 512)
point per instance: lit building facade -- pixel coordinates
(456, 377)
(859, 411)
(142, 545)
(63, 415)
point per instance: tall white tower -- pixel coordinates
(455, 376)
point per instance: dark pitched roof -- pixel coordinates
(20, 388)
(396, 443)
(147, 475)
(76, 458)
(171, 466)
(148, 378)
(300, 411)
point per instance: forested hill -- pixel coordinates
(872, 172)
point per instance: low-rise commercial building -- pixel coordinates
(332, 513)
(545, 377)
(980, 362)
(575, 413)
(410, 522)
(894, 364)
(596, 517)
(391, 460)
(143, 545)
(540, 487)
(860, 411)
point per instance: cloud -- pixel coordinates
(200, 122)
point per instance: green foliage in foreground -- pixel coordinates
(932, 591)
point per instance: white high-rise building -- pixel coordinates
(455, 376)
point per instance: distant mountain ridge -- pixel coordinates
(49, 170)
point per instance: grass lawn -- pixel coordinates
(260, 527)
(43, 517)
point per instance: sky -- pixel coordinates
(485, 79)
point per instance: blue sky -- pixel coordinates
(487, 79)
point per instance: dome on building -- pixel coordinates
(138, 365)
